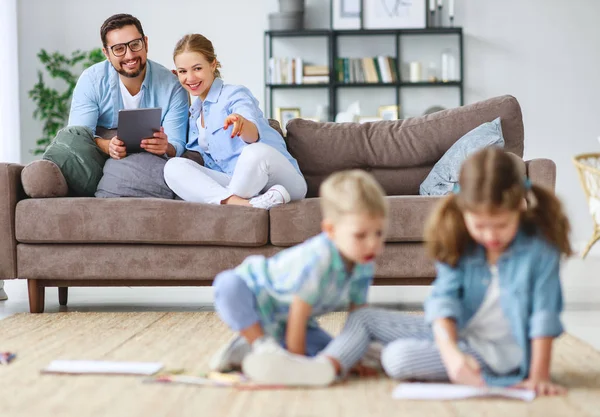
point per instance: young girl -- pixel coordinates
(494, 307)
(273, 302)
(243, 155)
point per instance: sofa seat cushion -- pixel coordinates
(295, 222)
(138, 220)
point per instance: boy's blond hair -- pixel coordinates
(352, 192)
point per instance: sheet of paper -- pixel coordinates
(102, 367)
(424, 391)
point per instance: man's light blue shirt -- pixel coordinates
(97, 100)
(530, 294)
(223, 150)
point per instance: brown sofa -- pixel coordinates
(65, 242)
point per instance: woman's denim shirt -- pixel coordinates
(223, 150)
(530, 294)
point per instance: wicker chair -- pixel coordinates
(588, 167)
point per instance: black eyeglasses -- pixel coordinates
(120, 49)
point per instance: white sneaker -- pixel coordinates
(270, 364)
(3, 295)
(230, 355)
(274, 196)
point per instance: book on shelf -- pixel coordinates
(315, 79)
(378, 69)
(292, 70)
(316, 70)
(285, 70)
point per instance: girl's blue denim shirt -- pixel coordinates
(530, 294)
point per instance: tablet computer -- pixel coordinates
(137, 124)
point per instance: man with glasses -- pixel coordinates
(126, 80)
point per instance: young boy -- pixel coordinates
(273, 302)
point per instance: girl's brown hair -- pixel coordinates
(491, 180)
(195, 42)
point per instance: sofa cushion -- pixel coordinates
(43, 179)
(392, 145)
(138, 220)
(293, 223)
(445, 172)
(136, 175)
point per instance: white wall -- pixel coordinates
(544, 52)
(10, 147)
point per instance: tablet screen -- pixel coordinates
(137, 124)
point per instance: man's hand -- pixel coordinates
(542, 386)
(464, 369)
(158, 144)
(116, 148)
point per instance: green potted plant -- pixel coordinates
(52, 105)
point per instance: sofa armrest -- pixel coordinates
(542, 172)
(11, 191)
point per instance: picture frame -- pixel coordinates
(285, 114)
(398, 14)
(368, 119)
(345, 14)
(389, 112)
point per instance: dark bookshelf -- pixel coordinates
(333, 86)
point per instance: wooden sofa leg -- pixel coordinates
(37, 294)
(63, 295)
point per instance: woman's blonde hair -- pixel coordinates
(195, 42)
(352, 192)
(491, 180)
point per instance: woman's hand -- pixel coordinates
(542, 386)
(238, 121)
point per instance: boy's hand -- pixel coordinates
(464, 369)
(542, 386)
(238, 124)
(298, 316)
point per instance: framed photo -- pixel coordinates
(345, 14)
(366, 119)
(388, 112)
(395, 14)
(285, 114)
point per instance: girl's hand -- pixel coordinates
(464, 369)
(542, 386)
(238, 124)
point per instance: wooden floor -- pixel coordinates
(187, 339)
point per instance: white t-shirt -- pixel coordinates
(202, 142)
(489, 333)
(129, 101)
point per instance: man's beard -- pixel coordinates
(131, 74)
